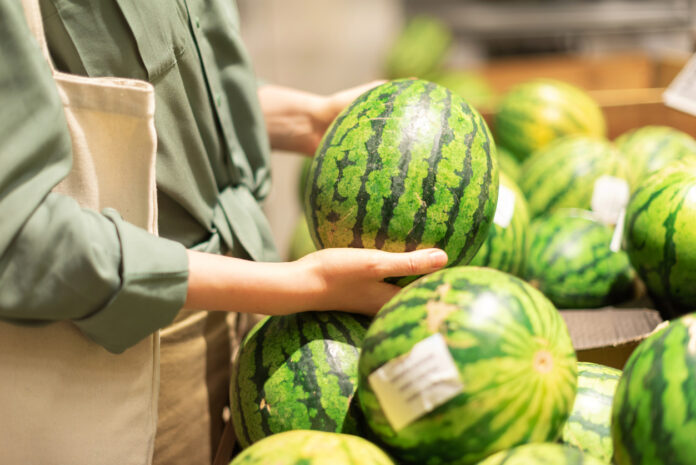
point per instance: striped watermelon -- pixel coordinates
(534, 113)
(565, 173)
(589, 425)
(301, 242)
(509, 348)
(505, 247)
(408, 165)
(541, 454)
(419, 49)
(508, 163)
(659, 236)
(652, 147)
(312, 448)
(654, 412)
(570, 260)
(297, 372)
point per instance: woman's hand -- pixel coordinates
(330, 279)
(296, 120)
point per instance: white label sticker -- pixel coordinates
(609, 197)
(416, 383)
(681, 93)
(505, 208)
(618, 232)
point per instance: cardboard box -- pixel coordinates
(628, 88)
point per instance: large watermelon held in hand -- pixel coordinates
(506, 244)
(654, 412)
(571, 171)
(541, 454)
(496, 345)
(660, 237)
(589, 425)
(312, 448)
(408, 165)
(297, 372)
(653, 147)
(571, 261)
(535, 113)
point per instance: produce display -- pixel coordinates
(655, 402)
(408, 165)
(505, 246)
(297, 372)
(542, 454)
(589, 425)
(571, 261)
(312, 448)
(511, 351)
(660, 237)
(653, 147)
(567, 172)
(535, 113)
(508, 163)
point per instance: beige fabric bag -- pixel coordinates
(64, 400)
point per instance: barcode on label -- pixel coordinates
(416, 383)
(505, 208)
(609, 197)
(681, 93)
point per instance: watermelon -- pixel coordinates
(408, 165)
(514, 367)
(589, 425)
(505, 246)
(301, 242)
(541, 454)
(570, 260)
(420, 48)
(508, 163)
(654, 412)
(534, 113)
(467, 84)
(304, 172)
(312, 448)
(297, 372)
(653, 147)
(567, 172)
(659, 236)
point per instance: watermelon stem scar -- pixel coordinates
(543, 361)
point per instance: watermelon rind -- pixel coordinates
(589, 426)
(312, 448)
(542, 454)
(510, 347)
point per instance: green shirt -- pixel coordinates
(114, 281)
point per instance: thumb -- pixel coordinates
(410, 263)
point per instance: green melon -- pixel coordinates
(533, 114)
(297, 372)
(301, 242)
(505, 246)
(312, 448)
(654, 412)
(469, 85)
(541, 454)
(589, 425)
(659, 237)
(420, 48)
(567, 172)
(408, 165)
(304, 173)
(508, 163)
(510, 350)
(653, 147)
(570, 260)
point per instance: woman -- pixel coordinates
(116, 283)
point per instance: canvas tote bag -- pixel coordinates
(65, 400)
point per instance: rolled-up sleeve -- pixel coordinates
(58, 261)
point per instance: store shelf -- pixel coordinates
(536, 19)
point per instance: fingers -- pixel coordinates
(386, 265)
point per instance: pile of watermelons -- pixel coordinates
(474, 364)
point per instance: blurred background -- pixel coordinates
(623, 52)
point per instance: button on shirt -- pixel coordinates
(59, 262)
